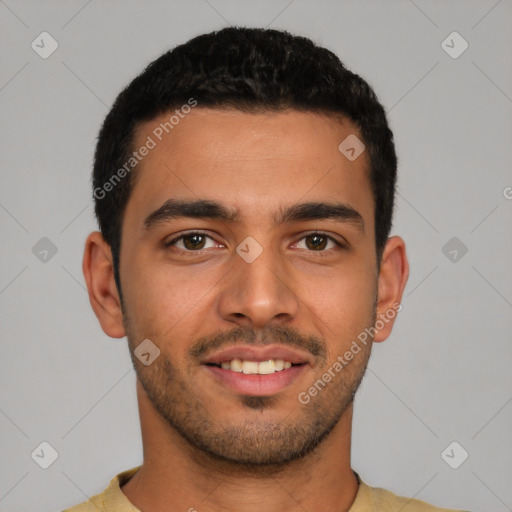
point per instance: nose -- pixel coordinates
(258, 293)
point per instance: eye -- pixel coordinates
(190, 242)
(197, 240)
(318, 242)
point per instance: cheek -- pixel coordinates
(161, 301)
(342, 303)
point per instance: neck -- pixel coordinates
(175, 476)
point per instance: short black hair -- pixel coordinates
(252, 70)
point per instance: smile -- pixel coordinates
(255, 367)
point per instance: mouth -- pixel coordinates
(249, 367)
(256, 371)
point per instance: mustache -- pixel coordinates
(274, 334)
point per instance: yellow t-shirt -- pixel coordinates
(368, 499)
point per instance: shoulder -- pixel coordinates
(378, 499)
(111, 499)
(94, 504)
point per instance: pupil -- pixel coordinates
(192, 240)
(316, 245)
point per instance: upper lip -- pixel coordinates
(257, 353)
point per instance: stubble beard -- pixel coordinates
(254, 444)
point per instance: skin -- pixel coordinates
(206, 446)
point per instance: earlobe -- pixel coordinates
(394, 272)
(99, 278)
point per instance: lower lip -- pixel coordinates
(256, 385)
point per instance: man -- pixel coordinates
(244, 187)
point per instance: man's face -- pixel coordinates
(264, 286)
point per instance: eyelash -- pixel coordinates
(339, 245)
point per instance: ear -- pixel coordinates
(99, 278)
(393, 275)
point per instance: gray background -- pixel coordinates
(444, 374)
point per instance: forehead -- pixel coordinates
(253, 162)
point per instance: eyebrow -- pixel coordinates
(208, 209)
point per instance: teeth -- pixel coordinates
(250, 367)
(235, 365)
(255, 367)
(266, 367)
